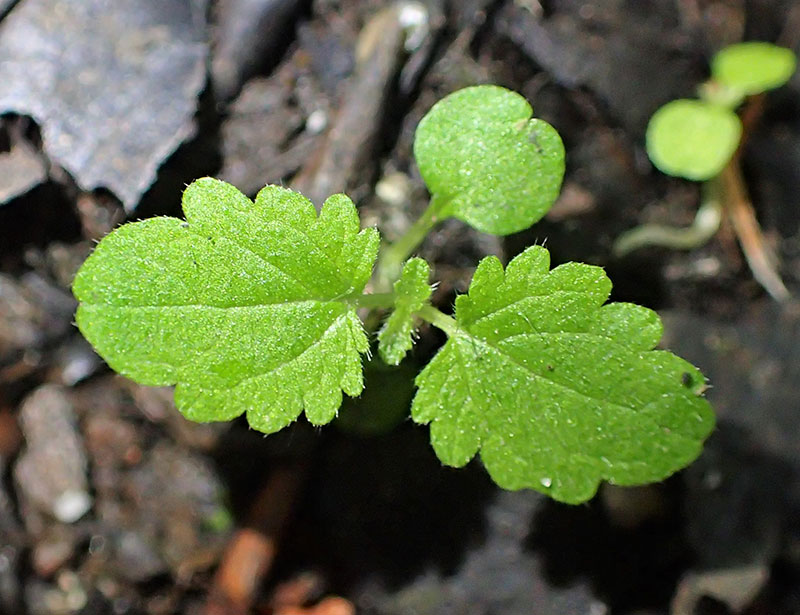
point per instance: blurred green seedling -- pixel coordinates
(699, 140)
(252, 307)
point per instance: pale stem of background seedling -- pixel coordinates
(392, 257)
(740, 211)
(745, 225)
(705, 224)
(724, 193)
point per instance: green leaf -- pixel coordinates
(753, 67)
(556, 390)
(480, 152)
(411, 293)
(243, 306)
(692, 139)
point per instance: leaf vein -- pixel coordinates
(506, 306)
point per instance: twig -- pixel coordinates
(349, 143)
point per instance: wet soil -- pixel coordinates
(110, 502)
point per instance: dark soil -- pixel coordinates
(110, 502)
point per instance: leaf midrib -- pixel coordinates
(478, 341)
(342, 300)
(336, 321)
(603, 401)
(529, 295)
(301, 231)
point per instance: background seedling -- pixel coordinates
(555, 389)
(701, 140)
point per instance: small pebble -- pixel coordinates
(71, 505)
(53, 550)
(51, 472)
(317, 121)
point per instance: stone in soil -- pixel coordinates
(51, 472)
(114, 86)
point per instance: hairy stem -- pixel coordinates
(392, 257)
(438, 319)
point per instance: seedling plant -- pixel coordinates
(252, 307)
(700, 140)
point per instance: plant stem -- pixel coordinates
(756, 250)
(705, 224)
(393, 256)
(438, 319)
(428, 313)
